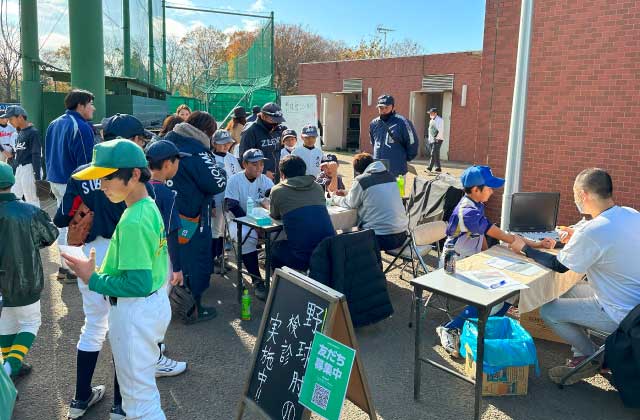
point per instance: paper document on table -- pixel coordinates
(492, 279)
(74, 251)
(511, 264)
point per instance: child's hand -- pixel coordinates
(341, 193)
(548, 243)
(517, 244)
(565, 234)
(177, 279)
(82, 267)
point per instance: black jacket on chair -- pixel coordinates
(350, 263)
(622, 356)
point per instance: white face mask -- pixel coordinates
(579, 203)
(289, 148)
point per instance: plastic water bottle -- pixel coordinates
(246, 306)
(250, 206)
(400, 182)
(450, 258)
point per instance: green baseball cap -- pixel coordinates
(110, 156)
(7, 179)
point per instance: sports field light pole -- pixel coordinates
(31, 90)
(518, 114)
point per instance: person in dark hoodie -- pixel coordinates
(299, 201)
(199, 178)
(264, 135)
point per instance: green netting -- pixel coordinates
(53, 27)
(246, 80)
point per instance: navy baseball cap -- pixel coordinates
(222, 137)
(253, 155)
(239, 112)
(330, 158)
(477, 175)
(255, 109)
(274, 111)
(125, 126)
(162, 150)
(433, 110)
(14, 111)
(289, 133)
(309, 131)
(385, 100)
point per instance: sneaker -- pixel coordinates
(261, 291)
(557, 373)
(25, 369)
(78, 408)
(62, 273)
(449, 340)
(438, 170)
(206, 313)
(117, 413)
(169, 367)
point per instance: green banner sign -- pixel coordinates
(326, 379)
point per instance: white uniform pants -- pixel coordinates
(26, 185)
(20, 319)
(136, 326)
(95, 306)
(58, 191)
(250, 243)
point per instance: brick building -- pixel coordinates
(583, 103)
(349, 89)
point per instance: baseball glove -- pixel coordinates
(183, 305)
(80, 226)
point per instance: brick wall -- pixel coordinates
(583, 105)
(399, 77)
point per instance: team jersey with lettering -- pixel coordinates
(312, 158)
(8, 136)
(239, 188)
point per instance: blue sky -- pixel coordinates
(439, 26)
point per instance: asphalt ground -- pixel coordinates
(218, 353)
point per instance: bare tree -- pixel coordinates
(206, 47)
(294, 45)
(176, 69)
(59, 58)
(374, 48)
(113, 56)
(9, 63)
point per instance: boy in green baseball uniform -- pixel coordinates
(132, 275)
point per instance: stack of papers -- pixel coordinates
(514, 265)
(492, 279)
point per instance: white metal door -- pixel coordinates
(447, 101)
(333, 121)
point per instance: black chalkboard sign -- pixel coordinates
(297, 308)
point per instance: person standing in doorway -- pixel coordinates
(436, 138)
(393, 137)
(69, 144)
(28, 155)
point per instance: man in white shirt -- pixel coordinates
(436, 138)
(8, 136)
(250, 183)
(308, 151)
(605, 249)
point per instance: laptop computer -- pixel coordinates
(534, 215)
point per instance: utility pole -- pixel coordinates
(126, 38)
(31, 90)
(87, 51)
(382, 30)
(518, 114)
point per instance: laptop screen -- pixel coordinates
(534, 211)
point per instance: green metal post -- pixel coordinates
(273, 48)
(87, 51)
(126, 35)
(164, 42)
(31, 89)
(151, 55)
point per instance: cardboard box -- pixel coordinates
(508, 381)
(533, 323)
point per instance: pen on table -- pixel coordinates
(500, 283)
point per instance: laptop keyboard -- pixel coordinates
(537, 236)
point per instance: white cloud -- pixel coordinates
(231, 29)
(54, 41)
(251, 25)
(258, 6)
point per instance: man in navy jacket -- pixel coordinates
(393, 137)
(68, 144)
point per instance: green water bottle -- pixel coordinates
(400, 181)
(246, 306)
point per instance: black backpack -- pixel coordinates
(622, 356)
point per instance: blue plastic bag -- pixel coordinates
(506, 344)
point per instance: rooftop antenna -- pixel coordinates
(382, 30)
